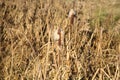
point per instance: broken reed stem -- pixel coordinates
(116, 76)
(58, 58)
(58, 71)
(100, 53)
(105, 73)
(47, 55)
(68, 47)
(95, 74)
(12, 54)
(76, 34)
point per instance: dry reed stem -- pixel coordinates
(95, 74)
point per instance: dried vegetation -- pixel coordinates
(91, 49)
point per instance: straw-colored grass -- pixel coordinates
(91, 49)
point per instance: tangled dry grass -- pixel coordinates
(91, 49)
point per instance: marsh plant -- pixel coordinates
(59, 40)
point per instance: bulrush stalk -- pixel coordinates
(58, 36)
(72, 15)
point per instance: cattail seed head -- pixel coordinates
(72, 15)
(58, 36)
(55, 35)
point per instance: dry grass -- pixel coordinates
(91, 49)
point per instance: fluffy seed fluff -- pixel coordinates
(58, 35)
(71, 13)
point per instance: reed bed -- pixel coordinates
(89, 46)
